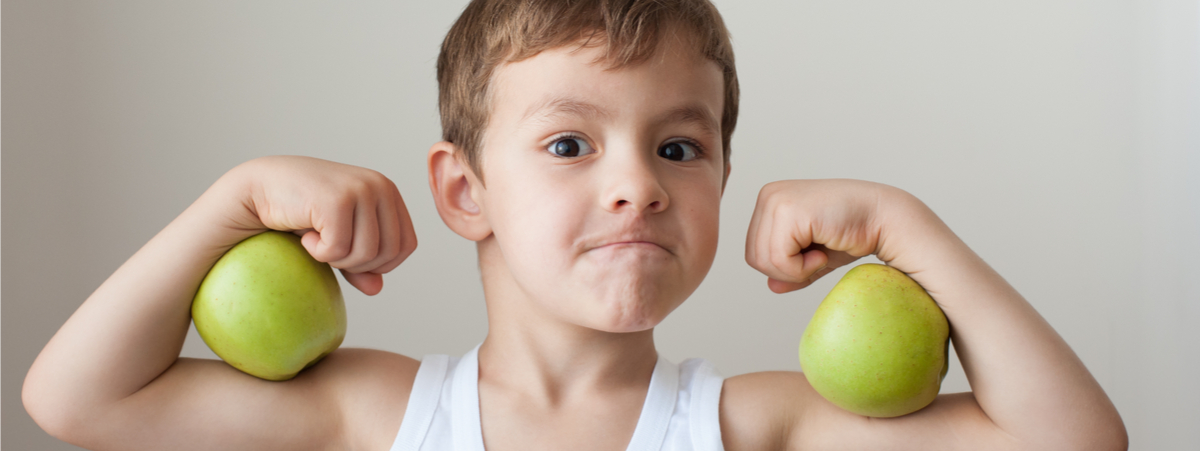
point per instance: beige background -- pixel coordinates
(1058, 138)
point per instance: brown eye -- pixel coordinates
(570, 147)
(678, 151)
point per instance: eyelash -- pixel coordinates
(701, 151)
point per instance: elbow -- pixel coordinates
(1096, 432)
(1108, 434)
(1118, 436)
(1110, 431)
(35, 405)
(50, 412)
(47, 417)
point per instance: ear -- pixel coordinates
(456, 192)
(724, 180)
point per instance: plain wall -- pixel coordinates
(1058, 138)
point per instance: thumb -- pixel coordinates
(801, 270)
(367, 282)
(309, 238)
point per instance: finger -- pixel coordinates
(810, 259)
(365, 246)
(752, 235)
(368, 283)
(408, 239)
(787, 240)
(819, 274)
(833, 259)
(762, 242)
(390, 236)
(333, 230)
(779, 246)
(838, 259)
(780, 287)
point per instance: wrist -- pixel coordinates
(224, 214)
(921, 245)
(912, 237)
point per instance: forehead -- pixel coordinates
(674, 83)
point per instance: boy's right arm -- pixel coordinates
(112, 377)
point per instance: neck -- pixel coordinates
(529, 350)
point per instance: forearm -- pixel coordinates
(1023, 374)
(133, 326)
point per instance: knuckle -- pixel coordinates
(765, 192)
(389, 266)
(335, 244)
(361, 187)
(342, 200)
(337, 250)
(369, 253)
(372, 180)
(392, 248)
(410, 244)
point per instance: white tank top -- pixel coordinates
(680, 412)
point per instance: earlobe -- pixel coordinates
(454, 185)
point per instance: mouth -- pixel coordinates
(632, 245)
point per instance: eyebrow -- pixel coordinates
(563, 106)
(694, 115)
(566, 106)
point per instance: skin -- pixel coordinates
(582, 256)
(569, 353)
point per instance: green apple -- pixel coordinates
(269, 309)
(877, 345)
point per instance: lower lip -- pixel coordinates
(630, 253)
(635, 246)
(632, 245)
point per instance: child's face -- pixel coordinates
(603, 187)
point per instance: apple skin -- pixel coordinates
(269, 309)
(877, 345)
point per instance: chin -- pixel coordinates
(631, 312)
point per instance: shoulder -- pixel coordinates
(371, 388)
(762, 410)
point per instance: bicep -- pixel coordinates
(206, 404)
(780, 410)
(952, 422)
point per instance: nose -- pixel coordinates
(633, 184)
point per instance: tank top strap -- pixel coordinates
(704, 419)
(464, 411)
(422, 403)
(657, 410)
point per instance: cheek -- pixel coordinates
(537, 219)
(701, 212)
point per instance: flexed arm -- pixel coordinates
(111, 377)
(1030, 390)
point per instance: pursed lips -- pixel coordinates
(632, 243)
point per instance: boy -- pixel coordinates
(586, 149)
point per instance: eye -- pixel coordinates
(678, 151)
(570, 146)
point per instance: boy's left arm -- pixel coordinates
(1029, 389)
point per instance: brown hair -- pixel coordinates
(494, 32)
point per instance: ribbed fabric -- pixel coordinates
(680, 412)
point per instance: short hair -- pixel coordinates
(494, 32)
